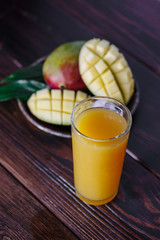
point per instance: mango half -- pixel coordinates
(105, 70)
(54, 106)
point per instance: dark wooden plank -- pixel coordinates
(145, 134)
(8, 64)
(44, 166)
(30, 31)
(23, 217)
(133, 25)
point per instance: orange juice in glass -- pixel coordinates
(100, 131)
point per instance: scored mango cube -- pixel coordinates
(56, 100)
(105, 62)
(102, 92)
(101, 66)
(66, 119)
(102, 47)
(91, 44)
(56, 117)
(44, 104)
(56, 105)
(56, 94)
(119, 65)
(68, 95)
(91, 58)
(90, 75)
(67, 106)
(44, 115)
(111, 54)
(124, 76)
(80, 96)
(107, 77)
(43, 94)
(96, 84)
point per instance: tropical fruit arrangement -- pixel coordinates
(71, 73)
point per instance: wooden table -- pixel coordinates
(37, 199)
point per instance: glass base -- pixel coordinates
(96, 202)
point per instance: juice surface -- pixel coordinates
(100, 123)
(98, 164)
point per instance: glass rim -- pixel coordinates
(106, 139)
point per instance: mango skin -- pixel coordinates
(61, 67)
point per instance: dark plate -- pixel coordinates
(65, 131)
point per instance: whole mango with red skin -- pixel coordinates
(61, 67)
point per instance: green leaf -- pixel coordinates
(28, 73)
(21, 89)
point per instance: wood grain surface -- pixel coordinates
(39, 166)
(24, 217)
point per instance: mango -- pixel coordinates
(54, 106)
(61, 67)
(105, 70)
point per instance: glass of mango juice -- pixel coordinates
(100, 131)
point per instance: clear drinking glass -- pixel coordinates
(100, 131)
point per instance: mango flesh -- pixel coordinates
(61, 67)
(105, 70)
(54, 106)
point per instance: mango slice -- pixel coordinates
(54, 106)
(105, 70)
